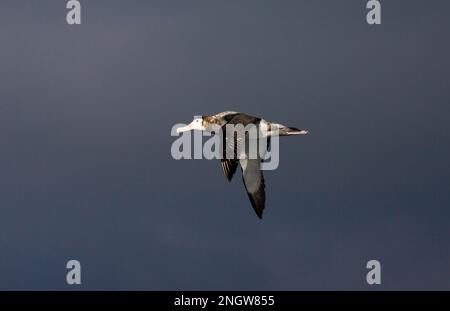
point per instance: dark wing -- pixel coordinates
(254, 184)
(229, 168)
(244, 119)
(230, 163)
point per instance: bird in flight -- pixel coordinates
(236, 150)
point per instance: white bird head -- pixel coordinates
(197, 124)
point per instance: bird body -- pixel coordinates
(237, 150)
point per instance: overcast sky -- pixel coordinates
(85, 165)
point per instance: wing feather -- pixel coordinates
(254, 184)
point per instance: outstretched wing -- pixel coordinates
(254, 184)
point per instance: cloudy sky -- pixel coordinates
(86, 171)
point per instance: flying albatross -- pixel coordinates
(250, 166)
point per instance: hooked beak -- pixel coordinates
(184, 128)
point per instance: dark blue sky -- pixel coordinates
(85, 165)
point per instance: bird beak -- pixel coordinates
(184, 128)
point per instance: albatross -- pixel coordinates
(250, 166)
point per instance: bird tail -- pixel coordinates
(287, 131)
